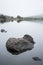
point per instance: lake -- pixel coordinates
(16, 30)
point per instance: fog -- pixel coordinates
(21, 7)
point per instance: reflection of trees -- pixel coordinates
(3, 18)
(33, 19)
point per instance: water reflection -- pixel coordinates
(18, 30)
(5, 18)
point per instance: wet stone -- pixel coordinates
(20, 45)
(36, 59)
(2, 30)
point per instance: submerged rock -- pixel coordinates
(2, 30)
(36, 59)
(20, 45)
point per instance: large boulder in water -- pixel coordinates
(19, 45)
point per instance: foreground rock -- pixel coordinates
(19, 45)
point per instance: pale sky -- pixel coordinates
(21, 7)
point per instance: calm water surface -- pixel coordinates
(14, 29)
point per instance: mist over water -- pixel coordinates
(34, 18)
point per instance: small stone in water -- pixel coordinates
(36, 59)
(2, 30)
